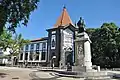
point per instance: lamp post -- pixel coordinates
(53, 63)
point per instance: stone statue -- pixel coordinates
(81, 25)
(82, 49)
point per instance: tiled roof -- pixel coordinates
(64, 19)
(39, 39)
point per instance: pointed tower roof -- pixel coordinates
(64, 19)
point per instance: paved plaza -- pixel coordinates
(13, 73)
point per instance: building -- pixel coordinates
(35, 52)
(4, 56)
(57, 48)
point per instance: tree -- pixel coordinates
(15, 12)
(12, 43)
(16, 44)
(4, 39)
(105, 45)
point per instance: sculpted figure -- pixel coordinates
(81, 25)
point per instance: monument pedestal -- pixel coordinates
(82, 53)
(78, 69)
(83, 64)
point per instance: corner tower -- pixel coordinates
(60, 41)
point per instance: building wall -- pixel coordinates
(34, 52)
(64, 38)
(54, 46)
(7, 52)
(4, 53)
(67, 39)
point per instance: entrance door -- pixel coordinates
(15, 60)
(68, 57)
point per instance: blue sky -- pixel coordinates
(94, 12)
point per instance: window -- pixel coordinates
(26, 56)
(37, 46)
(44, 45)
(53, 42)
(40, 46)
(53, 32)
(37, 56)
(26, 48)
(43, 55)
(31, 56)
(22, 48)
(68, 39)
(32, 47)
(21, 56)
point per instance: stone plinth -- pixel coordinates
(86, 75)
(82, 53)
(79, 68)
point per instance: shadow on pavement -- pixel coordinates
(3, 75)
(116, 76)
(35, 77)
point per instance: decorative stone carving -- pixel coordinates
(80, 54)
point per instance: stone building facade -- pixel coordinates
(57, 48)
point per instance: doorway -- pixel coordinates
(68, 57)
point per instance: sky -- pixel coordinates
(94, 12)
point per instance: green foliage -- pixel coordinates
(7, 40)
(16, 43)
(105, 45)
(15, 12)
(4, 39)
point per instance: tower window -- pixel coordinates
(53, 43)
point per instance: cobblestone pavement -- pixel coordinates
(13, 73)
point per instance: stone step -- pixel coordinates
(64, 75)
(96, 73)
(98, 78)
(102, 75)
(105, 77)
